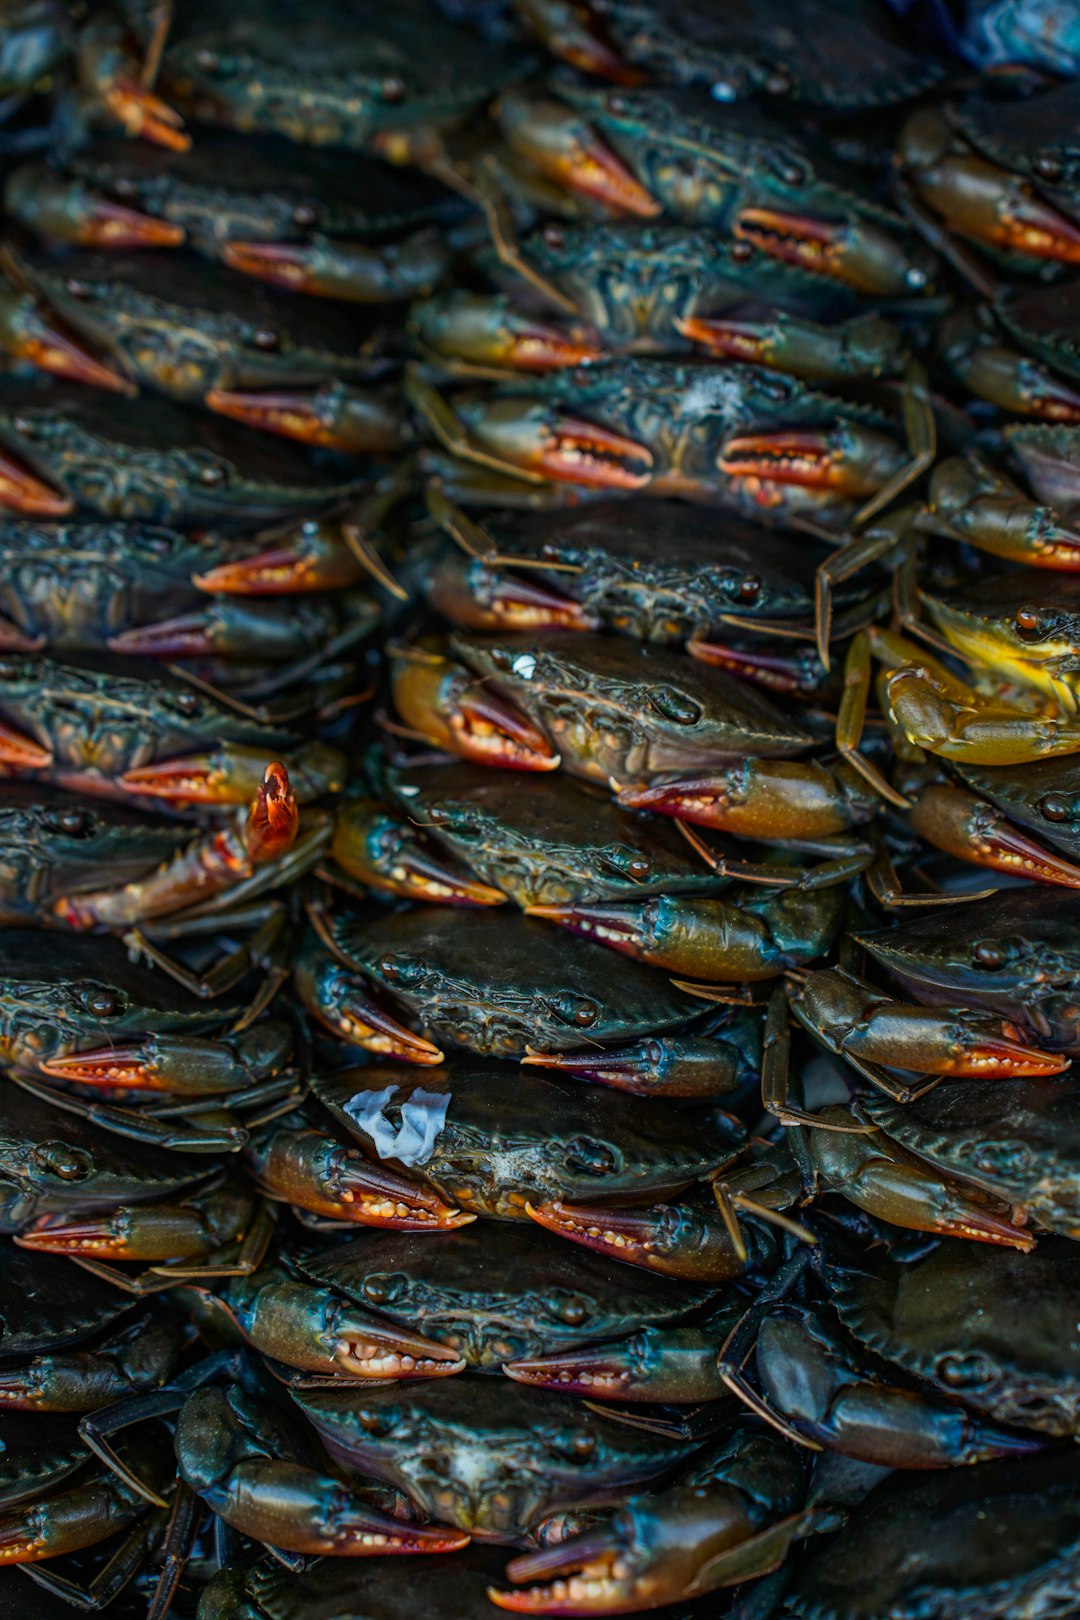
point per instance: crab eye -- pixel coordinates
(593, 1158)
(266, 338)
(1048, 167)
(569, 1308)
(554, 238)
(970, 1371)
(399, 969)
(75, 823)
(639, 867)
(575, 1444)
(212, 476)
(304, 216)
(62, 1160)
(100, 1001)
(1054, 808)
(988, 955)
(392, 88)
(1028, 623)
(1002, 1158)
(749, 588)
(373, 1420)
(185, 703)
(675, 706)
(577, 1010)
(382, 1287)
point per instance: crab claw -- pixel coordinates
(855, 253)
(441, 700)
(315, 1172)
(759, 798)
(571, 31)
(866, 1169)
(524, 433)
(274, 817)
(66, 1522)
(867, 346)
(973, 830)
(312, 1329)
(187, 1065)
(654, 1364)
(327, 268)
(22, 752)
(565, 148)
(853, 460)
(232, 774)
(799, 675)
(27, 334)
(317, 558)
(477, 596)
(21, 491)
(854, 1018)
(672, 1239)
(979, 199)
(709, 939)
(144, 115)
(293, 1507)
(486, 331)
(154, 1232)
(340, 999)
(353, 420)
(379, 850)
(656, 1550)
(660, 1066)
(66, 211)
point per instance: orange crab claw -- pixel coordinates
(274, 816)
(352, 421)
(963, 825)
(29, 334)
(282, 264)
(143, 114)
(103, 224)
(21, 491)
(22, 752)
(853, 461)
(566, 149)
(562, 447)
(187, 779)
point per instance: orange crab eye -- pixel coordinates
(988, 955)
(1028, 623)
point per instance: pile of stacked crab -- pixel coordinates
(540, 799)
